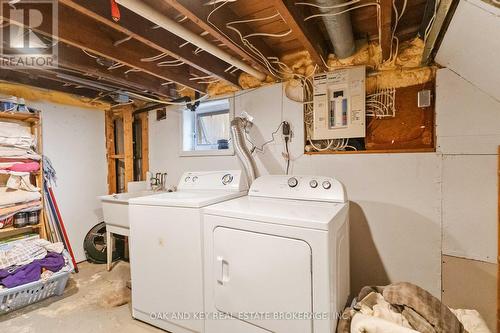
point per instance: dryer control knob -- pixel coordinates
(187, 179)
(313, 183)
(227, 178)
(326, 185)
(195, 178)
(292, 182)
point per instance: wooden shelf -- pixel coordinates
(35, 122)
(29, 117)
(14, 231)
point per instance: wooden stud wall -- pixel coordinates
(128, 120)
(145, 144)
(127, 115)
(110, 148)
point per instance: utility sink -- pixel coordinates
(115, 207)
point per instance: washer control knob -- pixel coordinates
(326, 185)
(292, 182)
(227, 179)
(195, 178)
(187, 179)
(313, 183)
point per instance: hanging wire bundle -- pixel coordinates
(381, 104)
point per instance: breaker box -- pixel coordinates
(339, 104)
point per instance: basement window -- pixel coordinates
(206, 131)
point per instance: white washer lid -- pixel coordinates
(195, 199)
(299, 213)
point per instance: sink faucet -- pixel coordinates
(159, 182)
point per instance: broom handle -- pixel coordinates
(63, 229)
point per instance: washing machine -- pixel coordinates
(277, 260)
(166, 249)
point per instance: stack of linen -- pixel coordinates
(28, 260)
(17, 161)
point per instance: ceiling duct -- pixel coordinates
(338, 26)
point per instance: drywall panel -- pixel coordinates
(268, 108)
(471, 284)
(471, 45)
(395, 199)
(469, 206)
(468, 119)
(74, 140)
(395, 215)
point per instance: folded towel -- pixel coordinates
(22, 167)
(13, 152)
(10, 197)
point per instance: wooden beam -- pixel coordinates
(128, 140)
(84, 32)
(110, 151)
(160, 39)
(308, 34)
(74, 58)
(498, 235)
(198, 13)
(43, 82)
(443, 18)
(145, 144)
(386, 28)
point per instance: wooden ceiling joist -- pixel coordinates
(74, 59)
(198, 13)
(84, 32)
(42, 82)
(159, 39)
(308, 34)
(386, 28)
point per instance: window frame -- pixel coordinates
(208, 110)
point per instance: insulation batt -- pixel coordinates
(402, 71)
(36, 94)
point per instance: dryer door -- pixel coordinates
(264, 280)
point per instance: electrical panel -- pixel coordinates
(339, 104)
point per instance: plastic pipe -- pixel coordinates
(172, 26)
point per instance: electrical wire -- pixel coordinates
(261, 148)
(90, 55)
(176, 63)
(328, 7)
(154, 58)
(287, 138)
(115, 66)
(121, 41)
(132, 70)
(343, 11)
(433, 19)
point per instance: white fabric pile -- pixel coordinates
(25, 252)
(16, 141)
(16, 135)
(12, 197)
(381, 318)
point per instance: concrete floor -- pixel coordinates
(94, 301)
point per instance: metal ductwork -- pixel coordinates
(338, 27)
(241, 149)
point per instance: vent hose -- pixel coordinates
(241, 149)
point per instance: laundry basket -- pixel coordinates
(15, 298)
